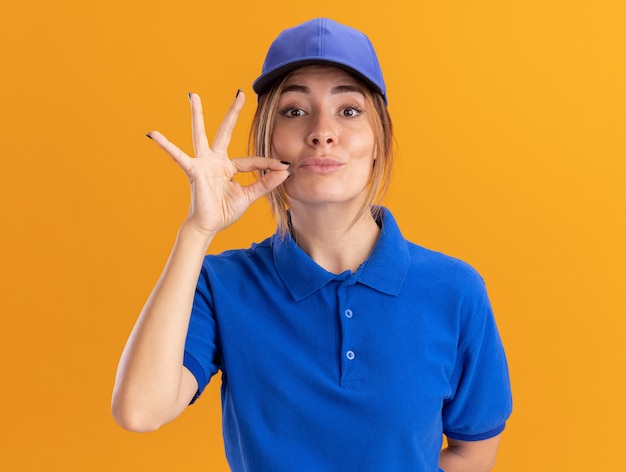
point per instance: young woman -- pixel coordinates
(342, 346)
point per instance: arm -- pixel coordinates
(469, 456)
(152, 387)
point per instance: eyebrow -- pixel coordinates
(334, 91)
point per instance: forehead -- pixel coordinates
(321, 74)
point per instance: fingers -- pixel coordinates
(248, 164)
(225, 130)
(265, 184)
(170, 148)
(274, 173)
(198, 133)
(220, 143)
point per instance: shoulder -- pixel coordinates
(256, 251)
(235, 264)
(443, 269)
(452, 286)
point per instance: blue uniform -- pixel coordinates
(359, 371)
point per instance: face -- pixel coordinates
(323, 128)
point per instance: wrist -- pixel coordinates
(191, 231)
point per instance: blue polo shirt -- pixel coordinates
(359, 371)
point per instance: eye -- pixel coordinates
(350, 111)
(292, 112)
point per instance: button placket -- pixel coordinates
(350, 375)
(350, 353)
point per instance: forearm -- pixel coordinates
(450, 461)
(148, 382)
(469, 456)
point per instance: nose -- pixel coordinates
(323, 131)
(317, 141)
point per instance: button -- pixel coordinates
(350, 355)
(348, 313)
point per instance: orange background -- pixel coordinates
(510, 119)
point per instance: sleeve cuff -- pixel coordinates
(476, 437)
(198, 372)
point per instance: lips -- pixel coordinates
(320, 165)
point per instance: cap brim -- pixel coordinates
(264, 82)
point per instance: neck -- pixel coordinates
(332, 238)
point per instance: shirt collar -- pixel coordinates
(385, 269)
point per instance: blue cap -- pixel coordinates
(321, 41)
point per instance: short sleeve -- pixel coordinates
(201, 347)
(481, 400)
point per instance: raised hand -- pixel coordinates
(217, 200)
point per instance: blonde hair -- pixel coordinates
(260, 144)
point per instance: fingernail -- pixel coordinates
(286, 163)
(238, 92)
(148, 134)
